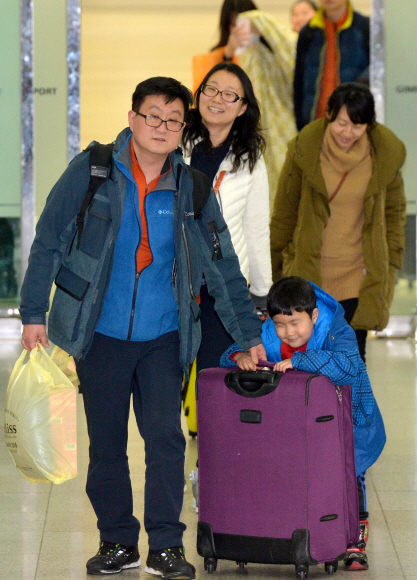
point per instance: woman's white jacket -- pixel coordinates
(244, 202)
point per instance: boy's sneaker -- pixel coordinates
(356, 559)
(113, 558)
(364, 531)
(170, 563)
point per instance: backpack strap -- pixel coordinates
(201, 191)
(100, 165)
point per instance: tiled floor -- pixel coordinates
(48, 532)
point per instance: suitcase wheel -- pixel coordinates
(241, 564)
(301, 572)
(192, 434)
(210, 565)
(331, 567)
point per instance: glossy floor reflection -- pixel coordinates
(48, 532)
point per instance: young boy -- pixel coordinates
(306, 330)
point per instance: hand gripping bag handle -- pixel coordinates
(252, 384)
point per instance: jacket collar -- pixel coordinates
(122, 157)
(307, 152)
(318, 19)
(307, 155)
(225, 165)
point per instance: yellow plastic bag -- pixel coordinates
(66, 364)
(40, 421)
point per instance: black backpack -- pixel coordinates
(100, 167)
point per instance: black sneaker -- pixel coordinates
(170, 563)
(113, 558)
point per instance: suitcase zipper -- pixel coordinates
(338, 389)
(308, 385)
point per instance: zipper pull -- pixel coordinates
(217, 253)
(339, 394)
(174, 272)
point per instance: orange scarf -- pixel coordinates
(330, 78)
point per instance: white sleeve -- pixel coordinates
(256, 231)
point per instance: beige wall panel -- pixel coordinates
(271, 5)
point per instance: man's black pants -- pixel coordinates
(111, 373)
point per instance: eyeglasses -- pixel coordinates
(228, 96)
(154, 121)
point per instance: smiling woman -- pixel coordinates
(222, 139)
(343, 228)
(221, 102)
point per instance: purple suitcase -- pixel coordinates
(277, 481)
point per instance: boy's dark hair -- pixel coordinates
(168, 87)
(357, 97)
(289, 294)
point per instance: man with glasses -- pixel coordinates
(125, 307)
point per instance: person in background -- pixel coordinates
(265, 50)
(8, 284)
(306, 330)
(222, 139)
(340, 210)
(302, 11)
(332, 49)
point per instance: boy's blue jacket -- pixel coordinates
(332, 351)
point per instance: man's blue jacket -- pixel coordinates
(332, 351)
(97, 287)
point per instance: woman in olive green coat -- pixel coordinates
(340, 210)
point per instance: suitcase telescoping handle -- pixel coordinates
(266, 363)
(252, 383)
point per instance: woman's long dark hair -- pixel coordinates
(246, 140)
(228, 13)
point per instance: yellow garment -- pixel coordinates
(272, 75)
